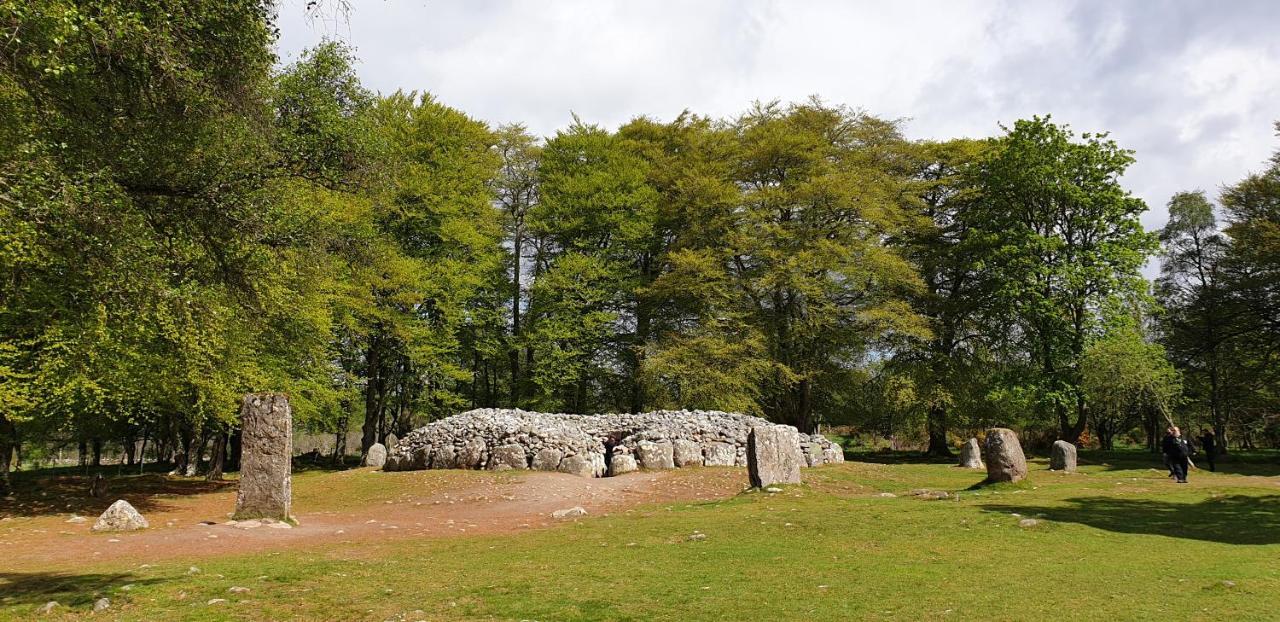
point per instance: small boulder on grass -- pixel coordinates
(120, 517)
(572, 512)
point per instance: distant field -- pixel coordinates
(1118, 541)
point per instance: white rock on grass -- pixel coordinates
(47, 608)
(120, 517)
(102, 604)
(572, 512)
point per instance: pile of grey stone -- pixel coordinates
(591, 445)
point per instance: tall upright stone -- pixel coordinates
(266, 421)
(773, 456)
(377, 456)
(1062, 457)
(971, 455)
(1003, 455)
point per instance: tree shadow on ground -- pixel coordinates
(34, 495)
(1259, 463)
(894, 457)
(1235, 519)
(70, 590)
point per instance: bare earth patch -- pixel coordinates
(372, 506)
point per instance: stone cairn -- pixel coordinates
(591, 445)
(265, 463)
(1003, 455)
(1062, 457)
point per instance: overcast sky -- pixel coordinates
(1193, 87)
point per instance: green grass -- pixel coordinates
(1116, 542)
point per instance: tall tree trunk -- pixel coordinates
(340, 437)
(7, 436)
(937, 425)
(235, 449)
(84, 454)
(130, 445)
(514, 353)
(142, 451)
(97, 452)
(1077, 429)
(1215, 405)
(186, 438)
(217, 460)
(372, 390)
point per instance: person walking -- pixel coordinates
(1209, 443)
(1178, 453)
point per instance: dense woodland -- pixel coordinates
(183, 220)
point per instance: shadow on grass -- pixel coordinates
(70, 590)
(1236, 519)
(39, 494)
(894, 457)
(1261, 463)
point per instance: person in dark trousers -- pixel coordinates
(1178, 452)
(1209, 443)
(1164, 453)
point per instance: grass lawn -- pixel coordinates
(1117, 541)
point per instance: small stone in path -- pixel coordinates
(773, 489)
(1228, 584)
(1028, 522)
(101, 604)
(698, 537)
(216, 601)
(238, 590)
(193, 570)
(47, 607)
(77, 519)
(888, 495)
(572, 512)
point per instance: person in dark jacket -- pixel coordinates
(1209, 443)
(1178, 453)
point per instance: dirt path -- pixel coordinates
(192, 528)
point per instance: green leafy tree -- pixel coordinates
(1067, 239)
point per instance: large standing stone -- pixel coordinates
(1062, 457)
(1003, 455)
(971, 455)
(120, 517)
(392, 441)
(267, 447)
(773, 456)
(718, 454)
(507, 457)
(377, 456)
(686, 453)
(659, 455)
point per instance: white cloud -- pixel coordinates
(1191, 87)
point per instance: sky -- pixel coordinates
(1193, 87)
